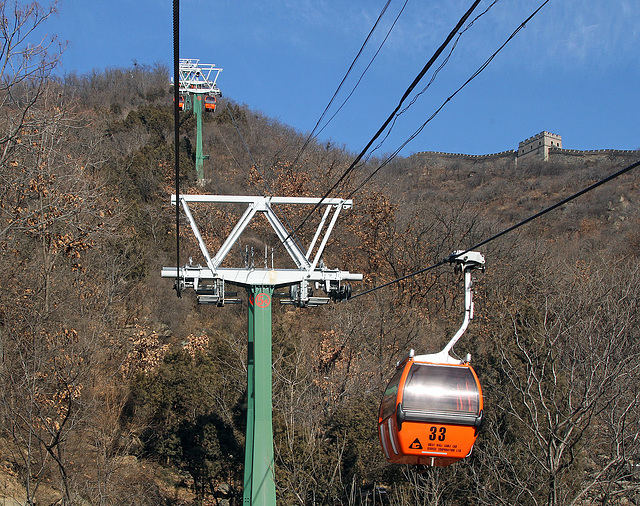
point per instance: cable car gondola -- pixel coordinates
(432, 408)
(180, 102)
(210, 103)
(430, 413)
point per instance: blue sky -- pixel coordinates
(573, 70)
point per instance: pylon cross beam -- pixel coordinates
(309, 267)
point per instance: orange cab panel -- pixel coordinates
(430, 413)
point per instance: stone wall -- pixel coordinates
(557, 155)
(593, 156)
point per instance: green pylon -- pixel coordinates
(259, 471)
(259, 479)
(197, 111)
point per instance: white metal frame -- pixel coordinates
(310, 268)
(196, 77)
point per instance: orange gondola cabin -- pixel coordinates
(431, 410)
(210, 103)
(430, 413)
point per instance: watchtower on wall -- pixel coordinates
(538, 146)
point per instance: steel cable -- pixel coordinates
(176, 126)
(505, 231)
(406, 94)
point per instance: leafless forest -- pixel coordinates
(113, 391)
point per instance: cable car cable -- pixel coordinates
(433, 77)
(554, 206)
(313, 135)
(437, 111)
(473, 76)
(505, 231)
(176, 126)
(392, 282)
(364, 44)
(446, 60)
(406, 94)
(365, 70)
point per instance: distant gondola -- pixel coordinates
(432, 408)
(210, 103)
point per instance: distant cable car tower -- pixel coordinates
(198, 86)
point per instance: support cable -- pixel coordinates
(313, 133)
(471, 78)
(176, 126)
(433, 77)
(505, 231)
(415, 83)
(365, 70)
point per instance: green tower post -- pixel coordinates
(197, 112)
(259, 479)
(249, 433)
(311, 274)
(198, 80)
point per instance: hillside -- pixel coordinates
(115, 391)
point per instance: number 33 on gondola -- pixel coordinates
(431, 410)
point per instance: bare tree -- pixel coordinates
(568, 361)
(25, 66)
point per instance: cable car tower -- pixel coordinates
(198, 91)
(310, 275)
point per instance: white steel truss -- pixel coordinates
(196, 77)
(208, 281)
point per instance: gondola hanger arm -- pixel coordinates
(464, 262)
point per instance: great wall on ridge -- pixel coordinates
(543, 147)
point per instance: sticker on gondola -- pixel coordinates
(263, 300)
(416, 445)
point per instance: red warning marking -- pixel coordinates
(263, 300)
(416, 445)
